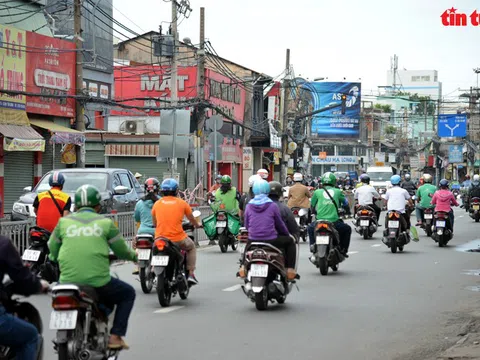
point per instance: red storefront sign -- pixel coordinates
(149, 85)
(226, 93)
(50, 71)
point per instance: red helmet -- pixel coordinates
(152, 185)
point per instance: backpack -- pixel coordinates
(475, 191)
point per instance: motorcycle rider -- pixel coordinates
(276, 194)
(263, 173)
(325, 204)
(143, 210)
(409, 185)
(51, 205)
(217, 185)
(396, 197)
(467, 182)
(167, 216)
(424, 197)
(16, 333)
(443, 199)
(265, 224)
(298, 194)
(473, 190)
(80, 243)
(245, 199)
(366, 195)
(228, 196)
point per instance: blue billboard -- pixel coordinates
(331, 123)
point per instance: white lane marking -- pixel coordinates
(352, 252)
(376, 245)
(233, 288)
(168, 309)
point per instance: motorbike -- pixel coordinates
(144, 244)
(427, 221)
(36, 257)
(22, 310)
(301, 217)
(326, 250)
(266, 275)
(366, 223)
(169, 264)
(394, 236)
(475, 209)
(441, 233)
(225, 222)
(81, 323)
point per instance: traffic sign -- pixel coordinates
(452, 125)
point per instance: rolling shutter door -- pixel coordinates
(235, 176)
(95, 157)
(18, 174)
(47, 160)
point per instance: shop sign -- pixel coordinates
(230, 151)
(12, 66)
(247, 158)
(345, 160)
(50, 71)
(23, 144)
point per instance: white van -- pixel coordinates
(380, 177)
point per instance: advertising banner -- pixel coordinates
(23, 144)
(50, 71)
(247, 158)
(149, 86)
(455, 154)
(12, 66)
(331, 123)
(351, 160)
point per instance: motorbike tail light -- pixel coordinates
(114, 212)
(144, 244)
(393, 216)
(322, 226)
(63, 302)
(364, 212)
(295, 212)
(160, 244)
(476, 201)
(221, 217)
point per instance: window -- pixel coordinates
(125, 180)
(73, 180)
(329, 149)
(234, 129)
(240, 131)
(345, 150)
(415, 78)
(116, 181)
(425, 78)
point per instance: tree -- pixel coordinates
(384, 107)
(390, 130)
(422, 103)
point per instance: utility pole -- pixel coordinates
(201, 96)
(173, 84)
(286, 89)
(394, 70)
(79, 111)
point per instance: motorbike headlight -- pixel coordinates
(20, 208)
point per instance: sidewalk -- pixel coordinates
(468, 347)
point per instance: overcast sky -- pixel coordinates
(334, 39)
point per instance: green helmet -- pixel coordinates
(87, 196)
(226, 179)
(329, 179)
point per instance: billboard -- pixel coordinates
(149, 86)
(331, 123)
(12, 66)
(452, 125)
(50, 71)
(455, 154)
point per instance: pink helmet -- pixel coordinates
(263, 173)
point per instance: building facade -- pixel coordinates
(421, 82)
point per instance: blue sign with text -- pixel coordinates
(455, 154)
(452, 125)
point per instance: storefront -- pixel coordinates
(323, 164)
(229, 161)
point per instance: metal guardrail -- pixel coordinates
(18, 231)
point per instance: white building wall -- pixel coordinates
(421, 82)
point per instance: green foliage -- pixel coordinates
(390, 130)
(423, 103)
(384, 107)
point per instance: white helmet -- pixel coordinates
(476, 177)
(252, 179)
(263, 173)
(297, 177)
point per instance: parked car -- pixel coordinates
(119, 188)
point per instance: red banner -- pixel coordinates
(149, 86)
(50, 70)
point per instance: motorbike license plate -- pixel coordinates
(440, 223)
(476, 207)
(63, 320)
(297, 219)
(221, 224)
(258, 270)
(31, 255)
(322, 240)
(160, 260)
(144, 254)
(428, 216)
(394, 224)
(364, 222)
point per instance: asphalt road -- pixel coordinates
(378, 306)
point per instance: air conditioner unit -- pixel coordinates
(134, 127)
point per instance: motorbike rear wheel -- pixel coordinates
(163, 291)
(323, 265)
(261, 299)
(223, 242)
(366, 235)
(63, 351)
(146, 280)
(234, 243)
(393, 248)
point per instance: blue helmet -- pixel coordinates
(169, 185)
(56, 179)
(261, 187)
(443, 183)
(395, 179)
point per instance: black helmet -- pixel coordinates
(365, 179)
(276, 188)
(152, 185)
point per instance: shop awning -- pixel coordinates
(21, 138)
(143, 150)
(60, 134)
